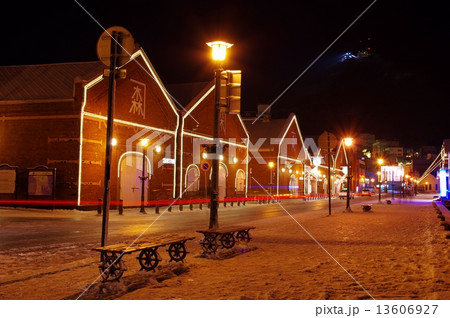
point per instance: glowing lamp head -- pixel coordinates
(114, 142)
(219, 49)
(145, 142)
(348, 141)
(158, 149)
(204, 155)
(271, 164)
(380, 161)
(235, 160)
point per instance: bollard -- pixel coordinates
(120, 207)
(191, 206)
(200, 206)
(170, 208)
(231, 203)
(243, 202)
(181, 207)
(156, 209)
(99, 206)
(239, 203)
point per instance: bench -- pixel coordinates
(226, 236)
(112, 266)
(366, 207)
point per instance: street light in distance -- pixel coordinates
(348, 142)
(380, 162)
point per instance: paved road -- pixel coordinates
(28, 227)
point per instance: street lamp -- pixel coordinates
(271, 165)
(144, 144)
(219, 50)
(380, 163)
(348, 142)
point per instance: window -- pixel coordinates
(192, 180)
(240, 181)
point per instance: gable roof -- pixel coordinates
(184, 93)
(44, 81)
(274, 128)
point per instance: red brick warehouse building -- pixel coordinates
(279, 158)
(55, 116)
(197, 133)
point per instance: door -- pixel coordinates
(222, 182)
(130, 181)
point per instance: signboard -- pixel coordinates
(205, 166)
(168, 161)
(323, 141)
(41, 181)
(8, 176)
(124, 49)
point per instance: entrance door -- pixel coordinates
(222, 182)
(293, 185)
(130, 183)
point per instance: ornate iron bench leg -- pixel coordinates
(227, 240)
(209, 243)
(149, 259)
(177, 251)
(111, 266)
(243, 236)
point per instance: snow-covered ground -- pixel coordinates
(397, 251)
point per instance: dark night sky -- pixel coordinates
(400, 92)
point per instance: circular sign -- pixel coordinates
(205, 166)
(323, 141)
(125, 45)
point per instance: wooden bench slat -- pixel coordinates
(142, 245)
(227, 229)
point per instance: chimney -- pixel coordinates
(264, 108)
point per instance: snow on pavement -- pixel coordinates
(397, 251)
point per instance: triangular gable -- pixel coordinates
(198, 118)
(141, 99)
(299, 153)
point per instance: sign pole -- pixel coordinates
(109, 134)
(329, 173)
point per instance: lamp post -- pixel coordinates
(271, 165)
(144, 144)
(380, 163)
(348, 142)
(219, 50)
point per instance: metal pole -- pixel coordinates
(379, 187)
(109, 134)
(329, 173)
(213, 213)
(142, 210)
(392, 187)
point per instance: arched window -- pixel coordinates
(192, 178)
(240, 181)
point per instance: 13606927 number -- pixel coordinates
(406, 309)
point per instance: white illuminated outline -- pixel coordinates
(443, 183)
(279, 156)
(80, 161)
(192, 166)
(235, 179)
(83, 113)
(183, 132)
(137, 153)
